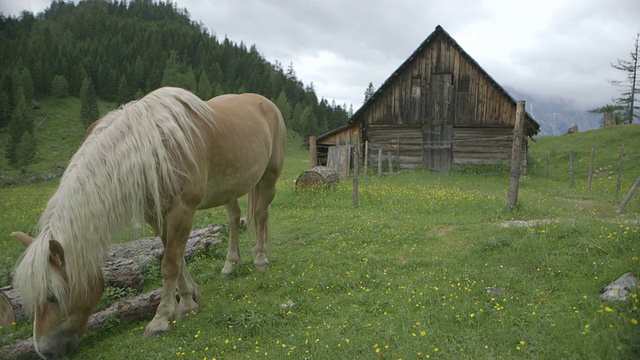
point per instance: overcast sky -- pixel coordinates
(546, 48)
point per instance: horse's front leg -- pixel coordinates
(233, 223)
(178, 223)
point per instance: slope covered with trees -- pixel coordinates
(128, 48)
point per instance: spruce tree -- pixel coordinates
(25, 151)
(21, 122)
(368, 93)
(59, 87)
(88, 103)
(285, 107)
(631, 85)
(5, 109)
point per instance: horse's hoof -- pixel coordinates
(225, 276)
(262, 267)
(189, 310)
(154, 330)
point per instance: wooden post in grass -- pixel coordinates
(571, 168)
(366, 157)
(620, 169)
(390, 161)
(313, 152)
(347, 161)
(546, 173)
(593, 152)
(629, 195)
(379, 161)
(356, 170)
(516, 156)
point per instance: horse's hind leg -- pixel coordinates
(233, 223)
(260, 199)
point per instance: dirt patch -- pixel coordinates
(445, 229)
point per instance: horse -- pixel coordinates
(157, 159)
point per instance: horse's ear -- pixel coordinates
(56, 254)
(23, 238)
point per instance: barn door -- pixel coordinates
(438, 129)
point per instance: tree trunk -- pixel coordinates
(320, 177)
(125, 266)
(122, 311)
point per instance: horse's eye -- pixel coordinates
(52, 299)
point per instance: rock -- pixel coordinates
(619, 289)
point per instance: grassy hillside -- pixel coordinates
(607, 144)
(428, 266)
(58, 133)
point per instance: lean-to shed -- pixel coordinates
(440, 107)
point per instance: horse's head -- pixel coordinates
(60, 315)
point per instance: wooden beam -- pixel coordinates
(516, 156)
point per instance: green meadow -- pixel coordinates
(428, 266)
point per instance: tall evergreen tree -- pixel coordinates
(59, 87)
(631, 85)
(25, 151)
(368, 93)
(89, 111)
(21, 122)
(285, 107)
(5, 109)
(205, 90)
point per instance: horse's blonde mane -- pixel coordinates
(129, 161)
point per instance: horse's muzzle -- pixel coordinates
(59, 349)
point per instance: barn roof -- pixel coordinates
(533, 127)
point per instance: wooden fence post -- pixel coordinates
(379, 161)
(313, 152)
(347, 161)
(516, 156)
(356, 170)
(390, 161)
(620, 169)
(593, 152)
(571, 168)
(629, 195)
(366, 157)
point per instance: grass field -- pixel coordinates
(428, 266)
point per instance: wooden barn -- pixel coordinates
(438, 108)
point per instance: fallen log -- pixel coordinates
(125, 267)
(123, 311)
(319, 177)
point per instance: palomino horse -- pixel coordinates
(159, 159)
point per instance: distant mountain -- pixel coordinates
(556, 116)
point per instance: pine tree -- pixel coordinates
(59, 87)
(25, 151)
(5, 109)
(285, 107)
(88, 103)
(27, 86)
(205, 90)
(21, 122)
(368, 93)
(308, 122)
(631, 85)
